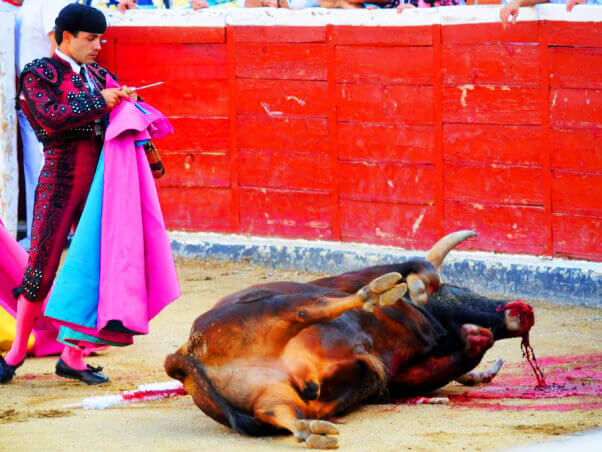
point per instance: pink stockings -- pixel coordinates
(27, 314)
(74, 358)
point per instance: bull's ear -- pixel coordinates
(438, 252)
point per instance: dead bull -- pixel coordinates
(284, 356)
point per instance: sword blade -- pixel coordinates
(138, 88)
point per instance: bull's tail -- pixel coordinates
(210, 401)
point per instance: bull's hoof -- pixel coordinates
(317, 434)
(477, 340)
(384, 282)
(417, 289)
(382, 291)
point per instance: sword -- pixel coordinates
(138, 88)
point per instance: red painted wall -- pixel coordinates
(389, 135)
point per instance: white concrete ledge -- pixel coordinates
(507, 275)
(447, 15)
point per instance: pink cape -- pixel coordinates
(137, 271)
(13, 260)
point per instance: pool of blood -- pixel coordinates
(577, 377)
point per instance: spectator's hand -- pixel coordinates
(509, 13)
(403, 6)
(198, 4)
(571, 3)
(126, 4)
(270, 3)
(113, 96)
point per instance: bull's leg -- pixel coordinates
(381, 291)
(353, 281)
(435, 372)
(280, 406)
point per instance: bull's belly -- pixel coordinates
(242, 381)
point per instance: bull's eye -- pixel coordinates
(302, 314)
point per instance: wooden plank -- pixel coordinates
(576, 108)
(385, 142)
(389, 223)
(495, 33)
(510, 229)
(372, 181)
(170, 62)
(499, 184)
(307, 135)
(368, 64)
(438, 105)
(187, 97)
(162, 35)
(507, 64)
(332, 135)
(187, 169)
(285, 213)
(276, 169)
(281, 61)
(491, 104)
(196, 135)
(563, 33)
(257, 33)
(375, 103)
(282, 97)
(577, 149)
(196, 209)
(568, 67)
(409, 36)
(520, 145)
(235, 188)
(577, 236)
(577, 193)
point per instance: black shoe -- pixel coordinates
(7, 372)
(90, 376)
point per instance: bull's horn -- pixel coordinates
(445, 245)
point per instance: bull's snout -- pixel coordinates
(519, 317)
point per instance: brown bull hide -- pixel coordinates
(280, 356)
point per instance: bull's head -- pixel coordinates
(421, 286)
(517, 317)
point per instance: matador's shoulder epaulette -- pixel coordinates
(45, 69)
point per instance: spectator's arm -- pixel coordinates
(198, 4)
(509, 12)
(571, 3)
(126, 4)
(261, 3)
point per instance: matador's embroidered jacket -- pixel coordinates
(57, 101)
(65, 114)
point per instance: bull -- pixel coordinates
(287, 356)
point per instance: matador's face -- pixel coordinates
(83, 46)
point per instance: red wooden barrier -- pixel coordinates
(389, 135)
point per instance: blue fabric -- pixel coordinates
(74, 298)
(71, 338)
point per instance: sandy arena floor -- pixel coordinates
(32, 417)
